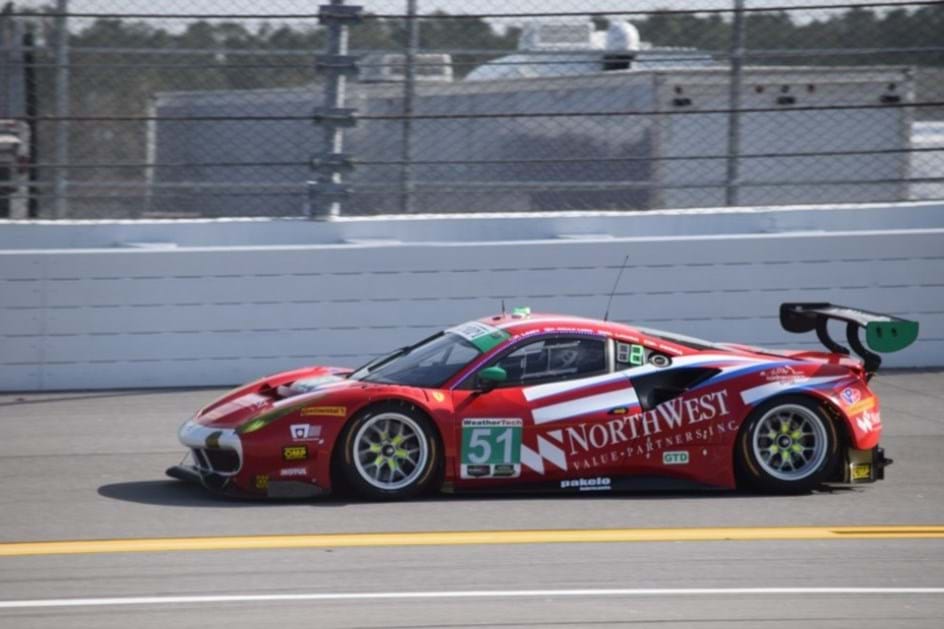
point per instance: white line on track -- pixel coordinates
(361, 596)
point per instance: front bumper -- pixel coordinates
(216, 459)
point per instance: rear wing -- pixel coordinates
(883, 333)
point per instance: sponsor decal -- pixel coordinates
(861, 406)
(851, 395)
(477, 471)
(306, 432)
(869, 421)
(324, 411)
(675, 424)
(675, 457)
(491, 447)
(295, 453)
(438, 396)
(784, 373)
(262, 481)
(757, 394)
(482, 335)
(504, 471)
(587, 484)
(861, 471)
(675, 414)
(294, 471)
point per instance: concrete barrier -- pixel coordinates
(195, 316)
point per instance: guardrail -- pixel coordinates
(198, 316)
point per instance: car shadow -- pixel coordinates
(174, 493)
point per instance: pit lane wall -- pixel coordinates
(148, 311)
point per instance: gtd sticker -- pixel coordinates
(677, 457)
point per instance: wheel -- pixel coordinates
(787, 445)
(390, 452)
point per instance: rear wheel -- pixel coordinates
(787, 445)
(390, 452)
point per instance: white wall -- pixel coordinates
(105, 318)
(236, 232)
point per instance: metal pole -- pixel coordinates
(334, 98)
(734, 104)
(62, 109)
(409, 94)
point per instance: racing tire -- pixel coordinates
(787, 445)
(390, 451)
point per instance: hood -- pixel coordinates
(271, 393)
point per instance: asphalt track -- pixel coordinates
(86, 471)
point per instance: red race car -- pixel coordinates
(529, 402)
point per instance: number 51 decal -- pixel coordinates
(491, 448)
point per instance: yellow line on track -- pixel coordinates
(467, 538)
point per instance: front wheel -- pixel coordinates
(787, 445)
(390, 452)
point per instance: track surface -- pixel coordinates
(90, 466)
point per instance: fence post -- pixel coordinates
(409, 94)
(61, 174)
(734, 105)
(326, 191)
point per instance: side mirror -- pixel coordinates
(491, 377)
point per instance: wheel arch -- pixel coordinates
(337, 478)
(831, 409)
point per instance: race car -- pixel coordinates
(528, 402)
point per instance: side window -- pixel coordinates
(552, 359)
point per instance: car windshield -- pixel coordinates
(429, 363)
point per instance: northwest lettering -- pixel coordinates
(673, 414)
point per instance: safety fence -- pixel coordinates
(130, 109)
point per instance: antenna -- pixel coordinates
(606, 315)
(503, 306)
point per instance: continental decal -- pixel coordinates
(324, 411)
(295, 453)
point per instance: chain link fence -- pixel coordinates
(118, 109)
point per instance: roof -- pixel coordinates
(520, 324)
(529, 66)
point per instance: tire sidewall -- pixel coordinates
(749, 468)
(352, 476)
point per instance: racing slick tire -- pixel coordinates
(390, 451)
(787, 445)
